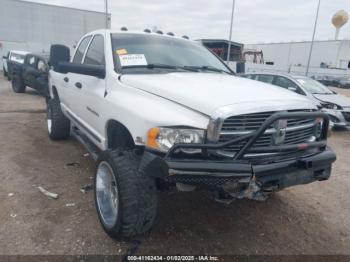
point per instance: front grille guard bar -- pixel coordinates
(254, 136)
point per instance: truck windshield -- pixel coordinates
(137, 53)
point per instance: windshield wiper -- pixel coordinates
(325, 93)
(208, 68)
(160, 66)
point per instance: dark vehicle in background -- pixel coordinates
(328, 80)
(12, 59)
(32, 73)
(344, 82)
(335, 105)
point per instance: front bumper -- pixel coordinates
(246, 178)
(339, 118)
(236, 178)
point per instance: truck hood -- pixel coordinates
(337, 99)
(207, 92)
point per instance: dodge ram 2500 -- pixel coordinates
(160, 112)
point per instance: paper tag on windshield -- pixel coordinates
(122, 51)
(132, 60)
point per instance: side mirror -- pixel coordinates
(4, 57)
(58, 53)
(98, 71)
(292, 89)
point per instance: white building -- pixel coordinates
(328, 56)
(34, 27)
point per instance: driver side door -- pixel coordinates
(90, 90)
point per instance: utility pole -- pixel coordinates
(313, 38)
(106, 13)
(230, 37)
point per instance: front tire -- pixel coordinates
(17, 84)
(125, 197)
(58, 125)
(4, 71)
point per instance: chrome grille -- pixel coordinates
(251, 122)
(298, 130)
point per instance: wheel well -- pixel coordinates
(54, 92)
(118, 135)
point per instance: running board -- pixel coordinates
(85, 141)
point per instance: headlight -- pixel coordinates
(162, 139)
(331, 106)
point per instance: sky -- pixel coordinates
(255, 21)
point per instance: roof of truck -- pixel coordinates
(109, 31)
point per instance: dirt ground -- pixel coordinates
(310, 219)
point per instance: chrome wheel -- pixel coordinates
(49, 121)
(107, 194)
(49, 125)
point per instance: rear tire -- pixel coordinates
(125, 197)
(17, 84)
(58, 125)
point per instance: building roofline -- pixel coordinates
(60, 6)
(299, 42)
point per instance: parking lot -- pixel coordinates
(310, 219)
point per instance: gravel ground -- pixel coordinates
(310, 219)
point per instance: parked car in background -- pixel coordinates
(33, 72)
(328, 80)
(344, 82)
(12, 58)
(335, 105)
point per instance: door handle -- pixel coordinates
(78, 85)
(66, 79)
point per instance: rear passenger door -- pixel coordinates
(29, 70)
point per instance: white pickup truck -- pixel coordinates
(163, 112)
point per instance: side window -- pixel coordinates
(31, 61)
(95, 54)
(81, 49)
(265, 78)
(284, 82)
(41, 66)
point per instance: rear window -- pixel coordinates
(265, 78)
(81, 50)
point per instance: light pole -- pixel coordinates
(313, 38)
(230, 37)
(106, 13)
